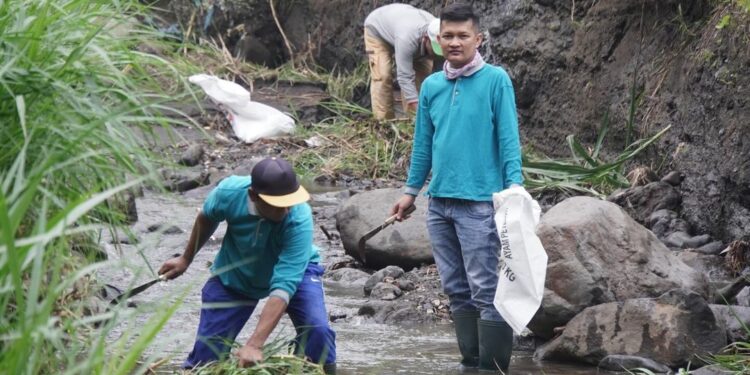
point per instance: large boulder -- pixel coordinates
(674, 329)
(598, 254)
(405, 244)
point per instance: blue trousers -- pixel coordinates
(466, 250)
(225, 312)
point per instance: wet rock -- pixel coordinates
(184, 180)
(349, 276)
(405, 285)
(673, 178)
(394, 312)
(379, 310)
(743, 297)
(677, 240)
(192, 155)
(711, 248)
(405, 314)
(712, 266)
(526, 341)
(165, 229)
(697, 241)
(404, 244)
(393, 272)
(661, 216)
(583, 238)
(734, 319)
(640, 202)
(385, 291)
(675, 329)
(665, 222)
(617, 362)
(334, 316)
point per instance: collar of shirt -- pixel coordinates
(251, 207)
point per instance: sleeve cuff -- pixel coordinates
(411, 191)
(280, 293)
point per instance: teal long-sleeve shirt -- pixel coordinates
(259, 257)
(467, 135)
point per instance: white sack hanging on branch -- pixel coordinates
(520, 285)
(250, 120)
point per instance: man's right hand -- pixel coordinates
(406, 201)
(174, 267)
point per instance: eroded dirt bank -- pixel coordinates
(572, 62)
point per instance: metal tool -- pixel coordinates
(136, 290)
(370, 234)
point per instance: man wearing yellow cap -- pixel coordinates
(267, 251)
(407, 35)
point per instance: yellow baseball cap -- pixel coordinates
(276, 183)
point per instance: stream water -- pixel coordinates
(363, 346)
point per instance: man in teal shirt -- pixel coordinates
(467, 135)
(267, 252)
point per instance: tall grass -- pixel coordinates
(353, 144)
(77, 101)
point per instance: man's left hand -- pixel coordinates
(249, 355)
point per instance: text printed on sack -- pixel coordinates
(507, 254)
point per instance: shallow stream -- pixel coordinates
(363, 346)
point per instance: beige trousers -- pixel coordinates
(381, 60)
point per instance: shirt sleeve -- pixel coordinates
(296, 244)
(506, 118)
(421, 153)
(213, 207)
(404, 51)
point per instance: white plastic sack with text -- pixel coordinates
(523, 261)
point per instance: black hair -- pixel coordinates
(458, 12)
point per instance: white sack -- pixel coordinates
(523, 266)
(250, 120)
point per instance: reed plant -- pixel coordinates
(79, 102)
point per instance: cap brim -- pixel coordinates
(299, 196)
(436, 48)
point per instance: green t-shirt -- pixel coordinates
(259, 257)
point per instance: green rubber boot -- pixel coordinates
(467, 335)
(495, 345)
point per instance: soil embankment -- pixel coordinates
(573, 63)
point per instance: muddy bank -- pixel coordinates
(572, 62)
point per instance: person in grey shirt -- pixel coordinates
(408, 35)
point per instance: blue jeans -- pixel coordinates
(466, 250)
(219, 325)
